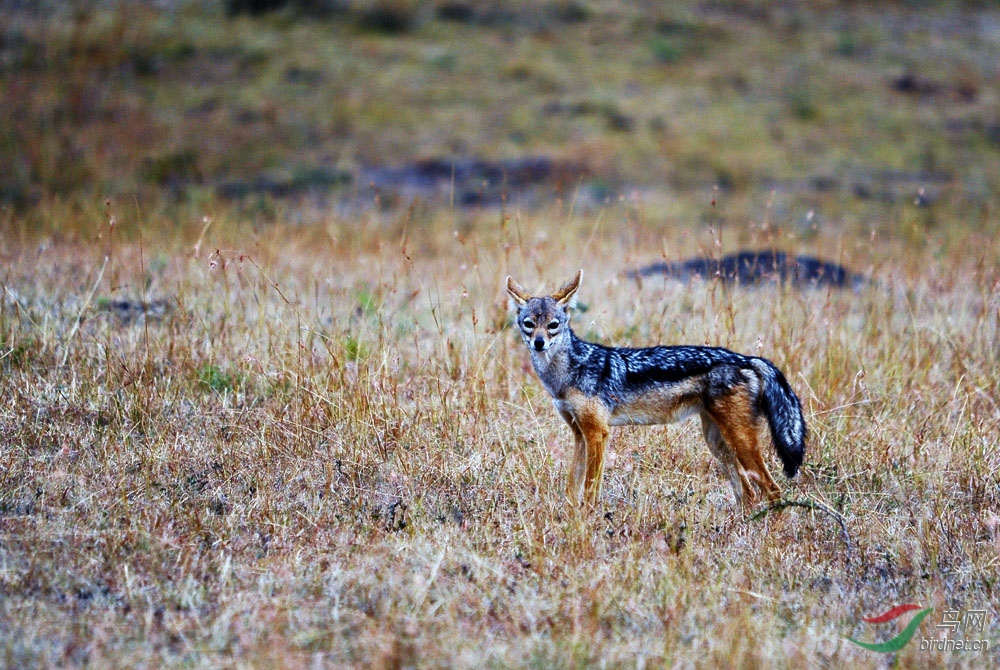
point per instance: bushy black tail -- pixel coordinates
(784, 415)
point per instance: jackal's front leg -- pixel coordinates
(577, 473)
(589, 420)
(597, 440)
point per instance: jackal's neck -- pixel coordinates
(555, 365)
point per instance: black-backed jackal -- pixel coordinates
(595, 387)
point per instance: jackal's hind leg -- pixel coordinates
(738, 426)
(737, 478)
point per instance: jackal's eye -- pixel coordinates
(528, 324)
(553, 326)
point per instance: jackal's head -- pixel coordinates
(543, 320)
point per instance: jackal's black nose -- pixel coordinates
(539, 343)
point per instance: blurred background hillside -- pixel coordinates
(858, 116)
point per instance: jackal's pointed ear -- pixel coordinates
(565, 294)
(517, 292)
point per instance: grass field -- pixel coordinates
(321, 444)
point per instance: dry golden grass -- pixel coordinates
(330, 450)
(323, 447)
